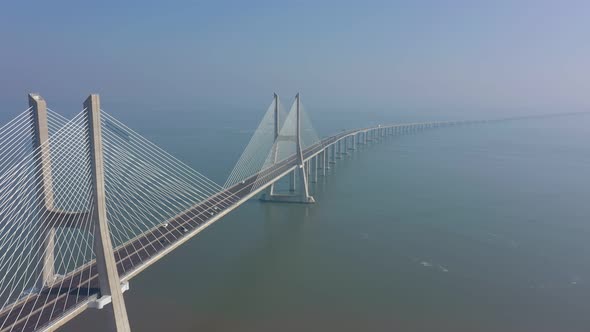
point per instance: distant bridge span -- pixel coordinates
(48, 307)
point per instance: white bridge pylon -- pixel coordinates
(85, 205)
(296, 135)
(278, 139)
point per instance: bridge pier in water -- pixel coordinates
(324, 163)
(314, 169)
(333, 154)
(346, 139)
(291, 181)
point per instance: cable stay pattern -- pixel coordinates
(261, 144)
(285, 146)
(58, 227)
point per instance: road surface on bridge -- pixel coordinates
(51, 307)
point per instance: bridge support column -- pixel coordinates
(346, 139)
(315, 169)
(333, 153)
(353, 142)
(300, 192)
(292, 181)
(44, 188)
(52, 218)
(324, 163)
(108, 276)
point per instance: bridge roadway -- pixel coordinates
(54, 305)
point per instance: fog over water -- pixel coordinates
(342, 55)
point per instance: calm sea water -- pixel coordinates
(475, 228)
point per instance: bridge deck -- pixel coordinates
(52, 306)
(54, 303)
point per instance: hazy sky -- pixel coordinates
(422, 55)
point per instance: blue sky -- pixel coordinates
(367, 55)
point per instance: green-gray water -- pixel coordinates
(475, 228)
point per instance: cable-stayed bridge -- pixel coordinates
(87, 203)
